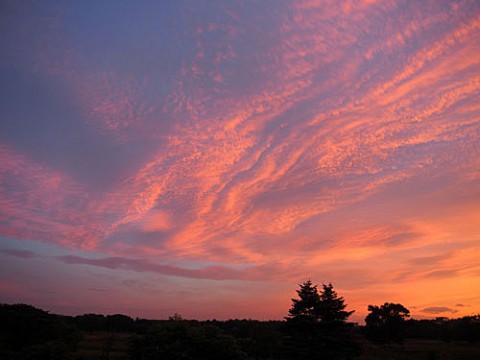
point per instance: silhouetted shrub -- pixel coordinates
(30, 333)
(119, 323)
(180, 340)
(386, 323)
(90, 322)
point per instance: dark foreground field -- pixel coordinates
(103, 345)
(28, 333)
(94, 346)
(417, 349)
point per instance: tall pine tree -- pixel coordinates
(332, 307)
(316, 326)
(306, 307)
(326, 307)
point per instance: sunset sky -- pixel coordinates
(206, 157)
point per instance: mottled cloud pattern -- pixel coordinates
(257, 143)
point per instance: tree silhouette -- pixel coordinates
(331, 307)
(316, 325)
(185, 340)
(386, 323)
(326, 307)
(90, 322)
(306, 308)
(30, 333)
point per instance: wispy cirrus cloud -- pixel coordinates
(36, 202)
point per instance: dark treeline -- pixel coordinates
(316, 328)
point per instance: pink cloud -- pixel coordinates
(36, 207)
(142, 265)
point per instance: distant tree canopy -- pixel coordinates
(30, 333)
(466, 328)
(90, 322)
(386, 323)
(185, 340)
(112, 323)
(119, 323)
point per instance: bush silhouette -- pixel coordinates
(386, 323)
(30, 333)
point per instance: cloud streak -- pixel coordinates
(141, 265)
(439, 310)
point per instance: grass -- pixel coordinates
(422, 350)
(103, 345)
(96, 345)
